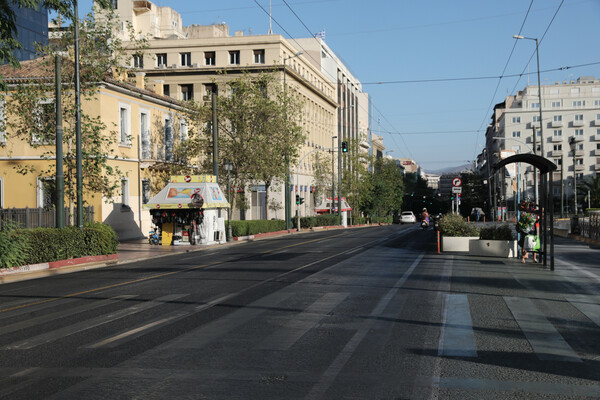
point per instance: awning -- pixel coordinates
(179, 193)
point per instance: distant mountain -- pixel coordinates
(453, 170)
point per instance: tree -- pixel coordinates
(8, 28)
(381, 193)
(474, 192)
(31, 109)
(591, 185)
(259, 129)
(356, 163)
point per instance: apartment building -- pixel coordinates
(145, 125)
(568, 135)
(189, 63)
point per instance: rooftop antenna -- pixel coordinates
(270, 26)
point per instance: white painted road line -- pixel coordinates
(457, 337)
(547, 342)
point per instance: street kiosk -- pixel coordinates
(188, 211)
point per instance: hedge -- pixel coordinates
(245, 228)
(40, 245)
(454, 225)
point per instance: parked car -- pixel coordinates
(407, 217)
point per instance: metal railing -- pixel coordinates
(590, 226)
(37, 217)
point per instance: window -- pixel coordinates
(556, 104)
(259, 56)
(557, 147)
(187, 92)
(124, 125)
(558, 133)
(46, 193)
(145, 191)
(167, 90)
(209, 58)
(1, 193)
(578, 117)
(168, 135)
(577, 104)
(596, 103)
(183, 130)
(114, 4)
(161, 59)
(535, 118)
(535, 105)
(516, 134)
(516, 120)
(557, 118)
(125, 192)
(234, 57)
(574, 91)
(580, 146)
(578, 132)
(579, 161)
(145, 136)
(138, 61)
(186, 59)
(597, 116)
(44, 120)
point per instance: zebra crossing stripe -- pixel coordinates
(546, 341)
(457, 337)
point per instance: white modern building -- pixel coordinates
(568, 135)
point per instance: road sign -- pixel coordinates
(456, 189)
(456, 182)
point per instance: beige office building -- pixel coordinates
(186, 62)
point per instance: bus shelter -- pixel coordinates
(188, 210)
(546, 202)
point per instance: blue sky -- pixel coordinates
(455, 45)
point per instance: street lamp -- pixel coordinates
(573, 145)
(228, 167)
(288, 205)
(388, 152)
(535, 186)
(332, 174)
(537, 52)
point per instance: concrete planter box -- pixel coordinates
(493, 248)
(457, 244)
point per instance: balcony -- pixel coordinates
(596, 138)
(577, 124)
(535, 125)
(556, 139)
(556, 153)
(596, 122)
(578, 153)
(579, 167)
(556, 124)
(596, 153)
(142, 6)
(597, 167)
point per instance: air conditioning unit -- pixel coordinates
(161, 66)
(196, 65)
(172, 66)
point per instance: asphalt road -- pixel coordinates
(367, 313)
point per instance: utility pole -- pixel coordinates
(215, 133)
(60, 177)
(78, 154)
(562, 186)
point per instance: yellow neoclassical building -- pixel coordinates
(145, 126)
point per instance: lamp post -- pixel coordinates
(530, 151)
(537, 52)
(228, 167)
(288, 204)
(332, 174)
(573, 145)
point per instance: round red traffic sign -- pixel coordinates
(456, 182)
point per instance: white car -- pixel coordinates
(407, 217)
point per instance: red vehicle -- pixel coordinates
(325, 207)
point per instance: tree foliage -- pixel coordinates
(381, 193)
(31, 108)
(592, 185)
(356, 165)
(260, 130)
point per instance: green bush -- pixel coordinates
(245, 228)
(34, 246)
(454, 225)
(495, 232)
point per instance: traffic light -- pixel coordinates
(344, 147)
(298, 199)
(301, 200)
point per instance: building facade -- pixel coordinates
(141, 122)
(568, 135)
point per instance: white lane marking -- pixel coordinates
(354, 250)
(329, 376)
(546, 341)
(457, 337)
(285, 337)
(88, 324)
